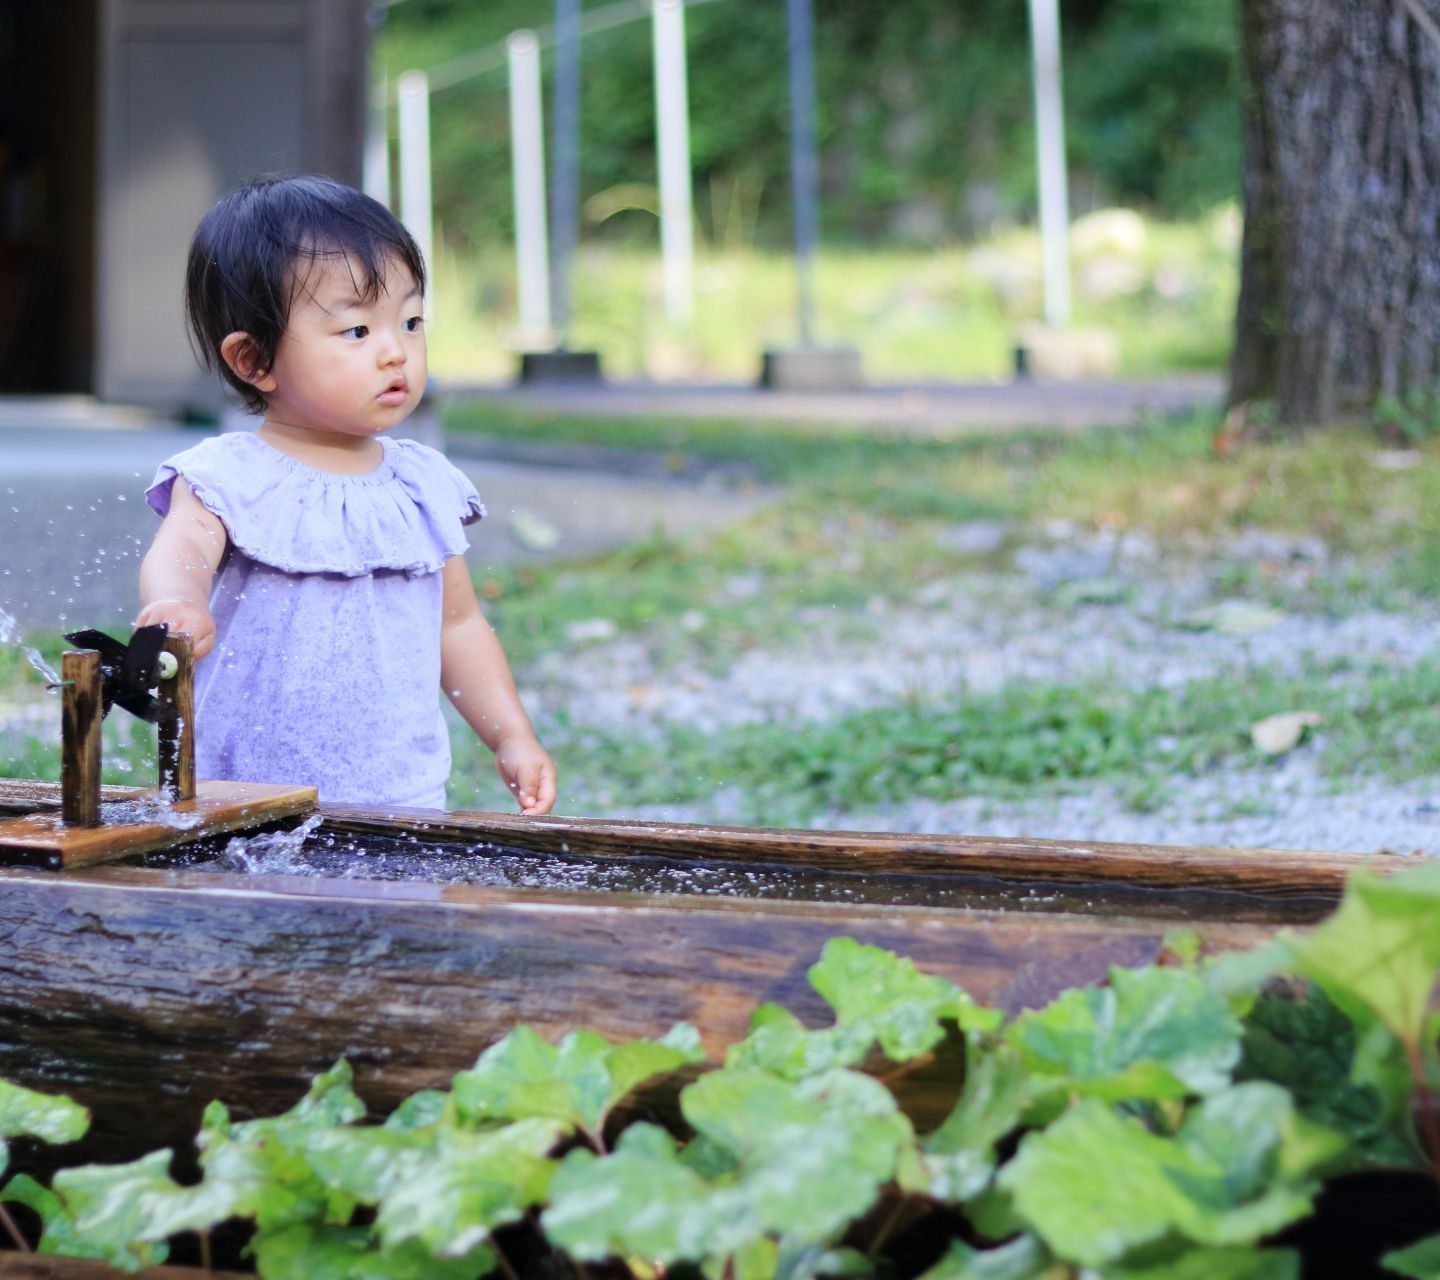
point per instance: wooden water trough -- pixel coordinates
(146, 988)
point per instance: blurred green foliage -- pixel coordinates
(924, 114)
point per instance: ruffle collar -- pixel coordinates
(405, 515)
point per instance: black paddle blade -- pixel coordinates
(127, 672)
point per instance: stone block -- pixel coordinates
(812, 369)
(559, 366)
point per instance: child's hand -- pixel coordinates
(184, 616)
(528, 771)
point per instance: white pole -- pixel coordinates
(375, 164)
(1050, 159)
(413, 93)
(527, 158)
(672, 127)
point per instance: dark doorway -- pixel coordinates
(47, 194)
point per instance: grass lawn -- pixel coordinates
(949, 313)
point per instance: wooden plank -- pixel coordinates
(81, 715)
(175, 734)
(1265, 872)
(129, 827)
(27, 795)
(145, 994)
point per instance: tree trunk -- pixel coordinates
(1340, 265)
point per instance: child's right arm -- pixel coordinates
(177, 571)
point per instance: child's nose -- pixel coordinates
(393, 350)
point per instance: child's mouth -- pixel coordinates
(395, 393)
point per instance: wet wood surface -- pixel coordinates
(137, 824)
(175, 734)
(145, 994)
(80, 715)
(28, 795)
(1268, 873)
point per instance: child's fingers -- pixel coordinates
(544, 799)
(535, 790)
(196, 623)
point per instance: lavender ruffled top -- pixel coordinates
(327, 607)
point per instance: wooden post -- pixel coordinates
(177, 726)
(80, 738)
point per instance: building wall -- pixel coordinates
(195, 97)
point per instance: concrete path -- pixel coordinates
(938, 409)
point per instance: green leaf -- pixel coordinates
(58, 1234)
(49, 1117)
(307, 1251)
(577, 1081)
(1238, 976)
(364, 1164)
(1304, 1043)
(420, 1110)
(1216, 1264)
(793, 1162)
(757, 1259)
(809, 1262)
(128, 1211)
(1377, 955)
(781, 1044)
(451, 1197)
(330, 1100)
(643, 1200)
(1249, 1137)
(877, 997)
(1419, 1261)
(959, 1156)
(1184, 945)
(258, 1169)
(888, 997)
(1024, 1258)
(1234, 1174)
(639, 1061)
(1151, 1033)
(811, 1155)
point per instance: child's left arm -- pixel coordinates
(477, 679)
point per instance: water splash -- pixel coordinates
(156, 807)
(269, 852)
(10, 634)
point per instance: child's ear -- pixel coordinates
(242, 353)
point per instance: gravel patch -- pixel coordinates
(979, 631)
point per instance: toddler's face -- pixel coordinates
(346, 364)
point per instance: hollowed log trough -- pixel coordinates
(145, 991)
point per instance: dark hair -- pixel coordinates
(252, 252)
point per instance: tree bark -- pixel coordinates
(1340, 264)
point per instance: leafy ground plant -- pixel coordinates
(1177, 1121)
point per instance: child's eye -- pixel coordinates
(355, 331)
(412, 325)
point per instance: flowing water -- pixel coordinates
(314, 850)
(10, 634)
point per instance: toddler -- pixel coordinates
(316, 562)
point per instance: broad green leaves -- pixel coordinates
(879, 999)
(1376, 957)
(49, 1117)
(1151, 1033)
(1235, 1172)
(576, 1082)
(782, 1165)
(1120, 1133)
(1419, 1261)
